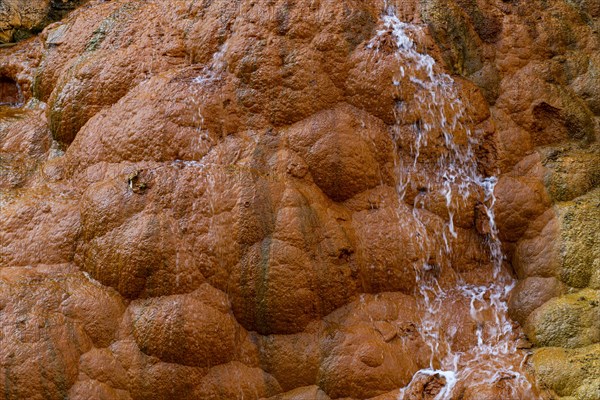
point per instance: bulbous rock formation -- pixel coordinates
(253, 199)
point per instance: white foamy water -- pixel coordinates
(212, 72)
(202, 86)
(493, 356)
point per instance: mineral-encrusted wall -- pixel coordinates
(199, 198)
(538, 65)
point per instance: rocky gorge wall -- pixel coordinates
(199, 199)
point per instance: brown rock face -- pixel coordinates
(21, 19)
(9, 92)
(294, 200)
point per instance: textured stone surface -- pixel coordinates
(21, 19)
(199, 199)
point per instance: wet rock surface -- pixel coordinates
(200, 200)
(22, 19)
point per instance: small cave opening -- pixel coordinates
(10, 92)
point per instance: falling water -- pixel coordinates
(494, 357)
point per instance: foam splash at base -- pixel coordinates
(493, 358)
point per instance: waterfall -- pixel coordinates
(493, 357)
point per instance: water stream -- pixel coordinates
(492, 359)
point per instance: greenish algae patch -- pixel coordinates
(567, 328)
(569, 321)
(570, 373)
(580, 248)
